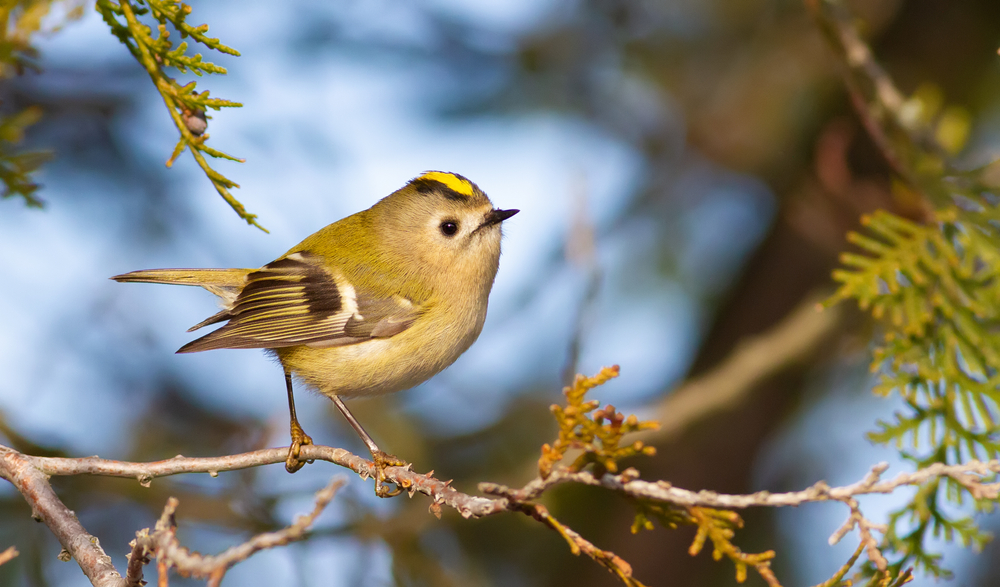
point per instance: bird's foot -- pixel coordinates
(382, 459)
(299, 439)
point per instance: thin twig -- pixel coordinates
(578, 544)
(581, 250)
(970, 474)
(163, 544)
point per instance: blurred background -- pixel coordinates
(686, 171)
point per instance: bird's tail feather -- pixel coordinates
(207, 278)
(225, 283)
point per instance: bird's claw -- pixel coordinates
(381, 460)
(299, 439)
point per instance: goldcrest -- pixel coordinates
(374, 303)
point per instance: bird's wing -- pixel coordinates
(296, 301)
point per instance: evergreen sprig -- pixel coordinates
(187, 106)
(932, 284)
(935, 289)
(596, 432)
(19, 21)
(719, 527)
(16, 167)
(599, 434)
(713, 525)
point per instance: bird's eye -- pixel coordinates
(449, 227)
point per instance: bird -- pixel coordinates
(375, 303)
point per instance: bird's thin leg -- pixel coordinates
(381, 458)
(299, 436)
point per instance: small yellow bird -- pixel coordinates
(374, 303)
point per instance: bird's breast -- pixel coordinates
(386, 365)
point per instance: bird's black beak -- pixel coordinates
(496, 216)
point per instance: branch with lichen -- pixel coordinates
(187, 107)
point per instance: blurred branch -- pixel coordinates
(581, 251)
(163, 543)
(729, 385)
(834, 22)
(24, 444)
(882, 108)
(8, 555)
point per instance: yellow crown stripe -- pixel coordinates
(454, 182)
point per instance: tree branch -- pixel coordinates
(29, 475)
(163, 543)
(578, 544)
(970, 475)
(46, 507)
(404, 477)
